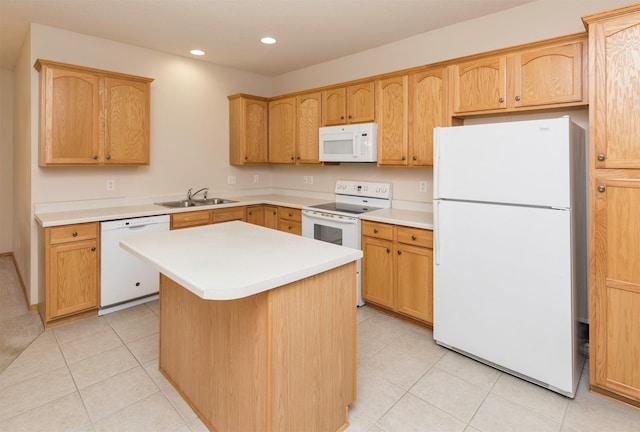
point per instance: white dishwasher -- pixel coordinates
(126, 280)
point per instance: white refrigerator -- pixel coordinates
(510, 246)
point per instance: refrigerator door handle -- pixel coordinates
(436, 233)
(436, 160)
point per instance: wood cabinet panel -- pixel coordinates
(350, 104)
(392, 114)
(334, 106)
(229, 214)
(71, 272)
(414, 292)
(290, 220)
(271, 217)
(248, 130)
(92, 117)
(308, 121)
(378, 271)
(255, 214)
(282, 130)
(480, 85)
(127, 122)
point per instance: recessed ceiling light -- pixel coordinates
(197, 52)
(268, 40)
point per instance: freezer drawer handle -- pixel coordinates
(601, 188)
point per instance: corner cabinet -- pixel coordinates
(92, 117)
(546, 75)
(247, 130)
(614, 278)
(72, 262)
(397, 269)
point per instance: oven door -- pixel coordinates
(331, 228)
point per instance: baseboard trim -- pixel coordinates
(22, 285)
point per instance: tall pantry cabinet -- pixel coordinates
(614, 123)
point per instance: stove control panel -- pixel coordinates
(364, 189)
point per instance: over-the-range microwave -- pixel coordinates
(349, 143)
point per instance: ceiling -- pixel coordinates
(308, 31)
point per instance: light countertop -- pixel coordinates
(213, 261)
(412, 218)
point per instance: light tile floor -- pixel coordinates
(102, 375)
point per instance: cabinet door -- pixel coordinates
(615, 78)
(414, 289)
(308, 118)
(282, 130)
(255, 215)
(378, 271)
(615, 293)
(271, 217)
(392, 116)
(334, 107)
(480, 85)
(427, 106)
(70, 106)
(360, 106)
(247, 130)
(548, 76)
(72, 274)
(126, 122)
(229, 214)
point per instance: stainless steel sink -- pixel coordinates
(195, 202)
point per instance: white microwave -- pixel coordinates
(349, 143)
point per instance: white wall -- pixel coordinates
(6, 161)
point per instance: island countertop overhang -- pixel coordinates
(236, 259)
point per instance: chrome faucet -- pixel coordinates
(191, 195)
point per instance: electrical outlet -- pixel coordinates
(111, 185)
(256, 178)
(231, 179)
(305, 179)
(310, 178)
(423, 186)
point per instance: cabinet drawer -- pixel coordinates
(415, 236)
(229, 214)
(190, 219)
(290, 214)
(71, 233)
(294, 227)
(377, 230)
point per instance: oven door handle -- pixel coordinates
(315, 215)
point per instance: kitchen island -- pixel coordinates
(257, 326)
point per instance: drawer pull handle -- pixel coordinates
(399, 252)
(388, 250)
(75, 234)
(95, 157)
(501, 100)
(93, 249)
(600, 157)
(601, 188)
(375, 231)
(517, 98)
(108, 157)
(414, 238)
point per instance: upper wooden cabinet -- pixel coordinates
(408, 108)
(615, 87)
(92, 117)
(247, 129)
(392, 116)
(546, 75)
(351, 104)
(308, 121)
(282, 130)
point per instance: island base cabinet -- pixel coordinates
(281, 360)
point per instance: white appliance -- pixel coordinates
(339, 222)
(349, 143)
(510, 253)
(126, 280)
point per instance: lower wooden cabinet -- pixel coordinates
(72, 263)
(397, 269)
(263, 215)
(290, 220)
(206, 217)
